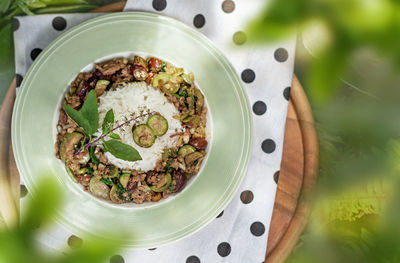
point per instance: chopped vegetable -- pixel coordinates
(186, 149)
(143, 136)
(191, 158)
(124, 179)
(158, 124)
(82, 170)
(114, 172)
(101, 86)
(114, 196)
(71, 174)
(161, 189)
(107, 181)
(155, 64)
(93, 157)
(98, 188)
(160, 79)
(68, 143)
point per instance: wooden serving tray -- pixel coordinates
(297, 176)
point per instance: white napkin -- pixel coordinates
(240, 233)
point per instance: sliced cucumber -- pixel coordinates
(186, 149)
(143, 135)
(164, 187)
(158, 124)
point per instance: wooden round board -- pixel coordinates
(297, 176)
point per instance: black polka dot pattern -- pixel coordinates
(220, 214)
(276, 176)
(151, 249)
(268, 146)
(246, 197)
(281, 55)
(228, 6)
(259, 108)
(286, 93)
(199, 21)
(23, 190)
(35, 52)
(15, 24)
(59, 23)
(18, 79)
(239, 38)
(74, 242)
(159, 5)
(224, 249)
(117, 259)
(248, 75)
(192, 259)
(257, 229)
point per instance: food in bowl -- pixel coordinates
(133, 130)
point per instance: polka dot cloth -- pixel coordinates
(239, 232)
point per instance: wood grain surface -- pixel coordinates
(297, 176)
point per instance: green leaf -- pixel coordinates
(79, 119)
(107, 181)
(4, 6)
(122, 150)
(25, 9)
(115, 136)
(33, 4)
(108, 119)
(93, 157)
(90, 112)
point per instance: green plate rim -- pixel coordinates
(229, 69)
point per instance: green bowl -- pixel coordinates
(36, 113)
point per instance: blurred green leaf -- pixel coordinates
(4, 6)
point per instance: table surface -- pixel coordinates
(296, 179)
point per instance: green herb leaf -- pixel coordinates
(107, 181)
(122, 150)
(93, 157)
(90, 170)
(79, 119)
(90, 112)
(108, 119)
(115, 136)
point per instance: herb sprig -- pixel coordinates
(88, 120)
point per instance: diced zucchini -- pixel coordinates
(68, 143)
(187, 79)
(114, 195)
(101, 86)
(71, 174)
(143, 135)
(164, 187)
(158, 124)
(199, 101)
(160, 79)
(171, 87)
(192, 158)
(98, 188)
(124, 179)
(186, 149)
(114, 172)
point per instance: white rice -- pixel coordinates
(127, 102)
